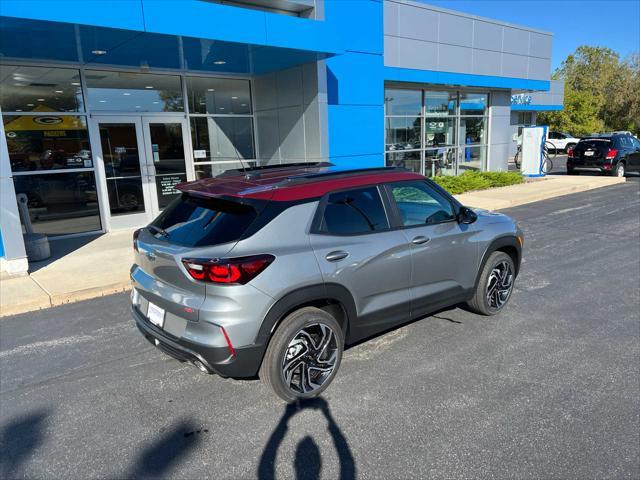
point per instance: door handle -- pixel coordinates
(337, 255)
(420, 239)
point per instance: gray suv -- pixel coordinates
(271, 271)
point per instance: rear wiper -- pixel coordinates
(157, 230)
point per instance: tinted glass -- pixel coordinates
(219, 96)
(402, 102)
(61, 203)
(354, 212)
(440, 103)
(168, 160)
(408, 160)
(47, 142)
(133, 92)
(419, 205)
(472, 130)
(625, 142)
(194, 222)
(596, 143)
(439, 131)
(636, 142)
(222, 138)
(473, 103)
(403, 133)
(38, 89)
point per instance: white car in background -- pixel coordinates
(561, 140)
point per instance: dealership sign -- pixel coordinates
(521, 99)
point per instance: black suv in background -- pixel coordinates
(612, 153)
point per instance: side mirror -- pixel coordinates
(466, 215)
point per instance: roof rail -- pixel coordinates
(259, 168)
(333, 173)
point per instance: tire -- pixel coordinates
(620, 170)
(480, 302)
(303, 330)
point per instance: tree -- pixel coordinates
(601, 92)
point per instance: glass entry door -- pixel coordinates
(143, 160)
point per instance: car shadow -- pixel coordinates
(168, 451)
(308, 460)
(20, 438)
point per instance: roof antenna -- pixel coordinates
(239, 157)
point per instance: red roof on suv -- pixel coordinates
(292, 182)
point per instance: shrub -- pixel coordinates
(472, 180)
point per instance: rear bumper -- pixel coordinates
(244, 364)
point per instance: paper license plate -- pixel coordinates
(588, 154)
(155, 314)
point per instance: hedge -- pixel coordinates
(473, 180)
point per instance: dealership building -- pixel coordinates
(107, 105)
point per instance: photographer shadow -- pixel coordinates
(308, 461)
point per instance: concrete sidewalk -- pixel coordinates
(101, 266)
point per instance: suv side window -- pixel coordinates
(354, 212)
(420, 205)
(636, 142)
(625, 142)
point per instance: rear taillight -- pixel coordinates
(136, 234)
(570, 152)
(611, 154)
(239, 270)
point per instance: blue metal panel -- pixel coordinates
(356, 130)
(536, 108)
(359, 24)
(193, 18)
(301, 33)
(355, 79)
(448, 78)
(1, 246)
(44, 40)
(106, 13)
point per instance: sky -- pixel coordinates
(607, 23)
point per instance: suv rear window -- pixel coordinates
(354, 212)
(195, 222)
(594, 143)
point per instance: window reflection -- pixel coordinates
(219, 96)
(403, 133)
(40, 89)
(47, 142)
(133, 92)
(61, 203)
(402, 102)
(440, 103)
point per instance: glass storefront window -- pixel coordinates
(133, 92)
(440, 103)
(219, 96)
(473, 158)
(222, 138)
(472, 130)
(47, 142)
(473, 103)
(439, 131)
(40, 89)
(61, 203)
(409, 160)
(403, 102)
(440, 161)
(403, 133)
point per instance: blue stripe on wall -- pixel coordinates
(463, 79)
(536, 108)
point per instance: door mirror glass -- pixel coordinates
(466, 215)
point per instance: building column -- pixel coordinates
(499, 131)
(13, 258)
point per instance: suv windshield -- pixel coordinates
(197, 222)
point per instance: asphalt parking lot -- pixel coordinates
(547, 389)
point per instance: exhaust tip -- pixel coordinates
(201, 366)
